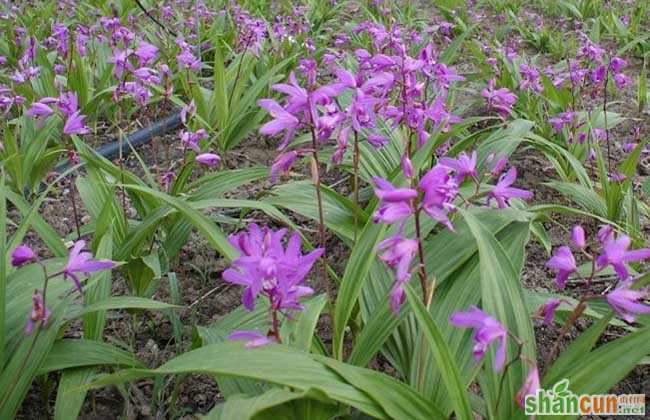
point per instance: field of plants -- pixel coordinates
(322, 209)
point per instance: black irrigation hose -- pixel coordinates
(139, 138)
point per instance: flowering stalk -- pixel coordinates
(609, 157)
(355, 164)
(74, 206)
(520, 347)
(241, 60)
(315, 172)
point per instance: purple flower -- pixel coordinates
(399, 255)
(75, 125)
(39, 313)
(501, 100)
(503, 192)
(530, 79)
(282, 164)
(395, 202)
(188, 111)
(564, 263)
(67, 102)
(39, 109)
(548, 310)
(209, 159)
(266, 267)
(578, 236)
(626, 301)
(621, 80)
(530, 386)
(377, 141)
(253, 338)
(487, 330)
(563, 119)
(499, 166)
(187, 60)
(407, 166)
(463, 166)
(605, 234)
(386, 192)
(82, 262)
(146, 53)
(615, 253)
(282, 121)
(617, 64)
(440, 190)
(599, 74)
(22, 255)
(191, 139)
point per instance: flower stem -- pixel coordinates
(39, 328)
(275, 324)
(356, 183)
(321, 218)
(74, 206)
(609, 157)
(520, 347)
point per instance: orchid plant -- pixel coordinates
(381, 145)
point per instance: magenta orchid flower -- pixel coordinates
(282, 164)
(501, 100)
(22, 255)
(564, 263)
(530, 386)
(253, 339)
(502, 192)
(208, 159)
(578, 237)
(75, 125)
(38, 314)
(266, 267)
(39, 109)
(626, 302)
(282, 121)
(395, 202)
(615, 253)
(464, 165)
(83, 262)
(440, 190)
(487, 330)
(548, 310)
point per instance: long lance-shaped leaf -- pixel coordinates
(361, 259)
(20, 370)
(502, 296)
(276, 364)
(276, 403)
(210, 230)
(67, 354)
(442, 355)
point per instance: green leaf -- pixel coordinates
(356, 270)
(585, 197)
(123, 302)
(275, 403)
(211, 231)
(599, 370)
(69, 402)
(502, 296)
(298, 332)
(67, 354)
(396, 398)
(442, 355)
(275, 363)
(26, 359)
